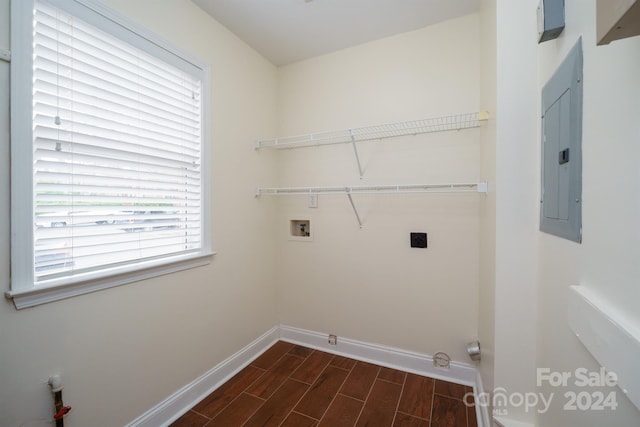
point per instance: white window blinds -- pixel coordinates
(117, 151)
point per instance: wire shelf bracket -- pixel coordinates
(368, 133)
(474, 187)
(355, 151)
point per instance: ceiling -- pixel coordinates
(287, 31)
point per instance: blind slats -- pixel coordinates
(78, 35)
(82, 200)
(99, 108)
(83, 155)
(78, 61)
(116, 151)
(55, 172)
(92, 126)
(104, 192)
(61, 49)
(48, 72)
(86, 235)
(50, 14)
(50, 181)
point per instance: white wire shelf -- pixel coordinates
(467, 187)
(475, 187)
(411, 127)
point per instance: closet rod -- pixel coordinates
(473, 187)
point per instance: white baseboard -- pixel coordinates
(174, 406)
(507, 422)
(482, 411)
(390, 357)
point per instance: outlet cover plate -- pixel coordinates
(418, 240)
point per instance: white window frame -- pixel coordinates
(24, 291)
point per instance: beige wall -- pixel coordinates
(123, 350)
(516, 200)
(534, 269)
(488, 271)
(487, 279)
(607, 260)
(368, 284)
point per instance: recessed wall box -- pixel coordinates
(300, 229)
(550, 19)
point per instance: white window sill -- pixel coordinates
(45, 294)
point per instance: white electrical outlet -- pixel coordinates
(313, 200)
(333, 340)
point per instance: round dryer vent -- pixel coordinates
(441, 360)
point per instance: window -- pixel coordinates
(109, 152)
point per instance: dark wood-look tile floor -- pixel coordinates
(295, 386)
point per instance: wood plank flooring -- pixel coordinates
(295, 386)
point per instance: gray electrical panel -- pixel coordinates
(561, 204)
(550, 19)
